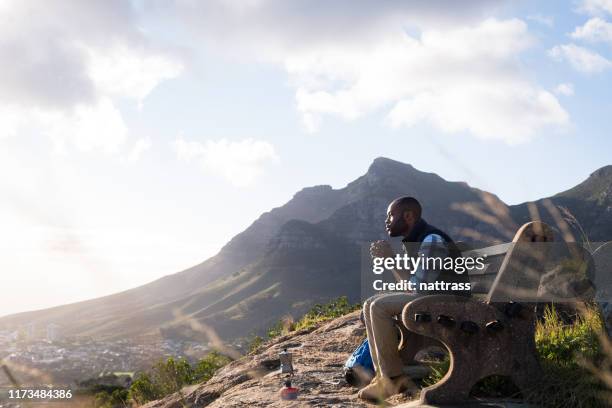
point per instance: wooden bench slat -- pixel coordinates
(489, 252)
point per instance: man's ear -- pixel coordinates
(408, 217)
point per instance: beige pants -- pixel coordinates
(378, 312)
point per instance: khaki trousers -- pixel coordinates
(378, 312)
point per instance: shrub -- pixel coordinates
(117, 399)
(144, 390)
(254, 343)
(170, 376)
(208, 366)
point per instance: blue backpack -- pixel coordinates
(359, 368)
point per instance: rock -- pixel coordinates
(255, 381)
(318, 357)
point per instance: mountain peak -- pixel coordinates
(604, 172)
(385, 164)
(597, 187)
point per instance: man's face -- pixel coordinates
(398, 221)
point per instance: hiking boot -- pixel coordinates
(382, 388)
(372, 391)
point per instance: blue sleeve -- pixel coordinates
(433, 246)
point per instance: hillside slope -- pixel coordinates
(308, 251)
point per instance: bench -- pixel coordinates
(488, 333)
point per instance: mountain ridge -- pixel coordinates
(306, 251)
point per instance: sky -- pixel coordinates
(136, 138)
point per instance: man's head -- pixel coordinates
(402, 214)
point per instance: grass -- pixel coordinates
(566, 351)
(572, 358)
(318, 314)
(322, 313)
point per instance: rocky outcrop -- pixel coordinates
(318, 358)
(255, 380)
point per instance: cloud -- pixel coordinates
(69, 60)
(240, 162)
(580, 58)
(594, 30)
(483, 110)
(565, 89)
(462, 79)
(596, 7)
(142, 145)
(87, 127)
(437, 57)
(131, 73)
(268, 29)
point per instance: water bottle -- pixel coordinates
(286, 361)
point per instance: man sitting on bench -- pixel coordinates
(420, 239)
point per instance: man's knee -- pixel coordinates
(389, 306)
(368, 302)
(378, 308)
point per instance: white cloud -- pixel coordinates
(87, 127)
(483, 110)
(69, 60)
(268, 29)
(463, 79)
(240, 162)
(142, 145)
(596, 7)
(361, 60)
(128, 72)
(594, 30)
(580, 58)
(565, 89)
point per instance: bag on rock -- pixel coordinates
(359, 368)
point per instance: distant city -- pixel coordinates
(41, 355)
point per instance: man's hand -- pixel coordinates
(381, 249)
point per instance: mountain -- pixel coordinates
(308, 251)
(590, 203)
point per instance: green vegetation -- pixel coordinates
(109, 390)
(321, 313)
(164, 378)
(566, 353)
(318, 314)
(114, 399)
(570, 355)
(170, 376)
(561, 343)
